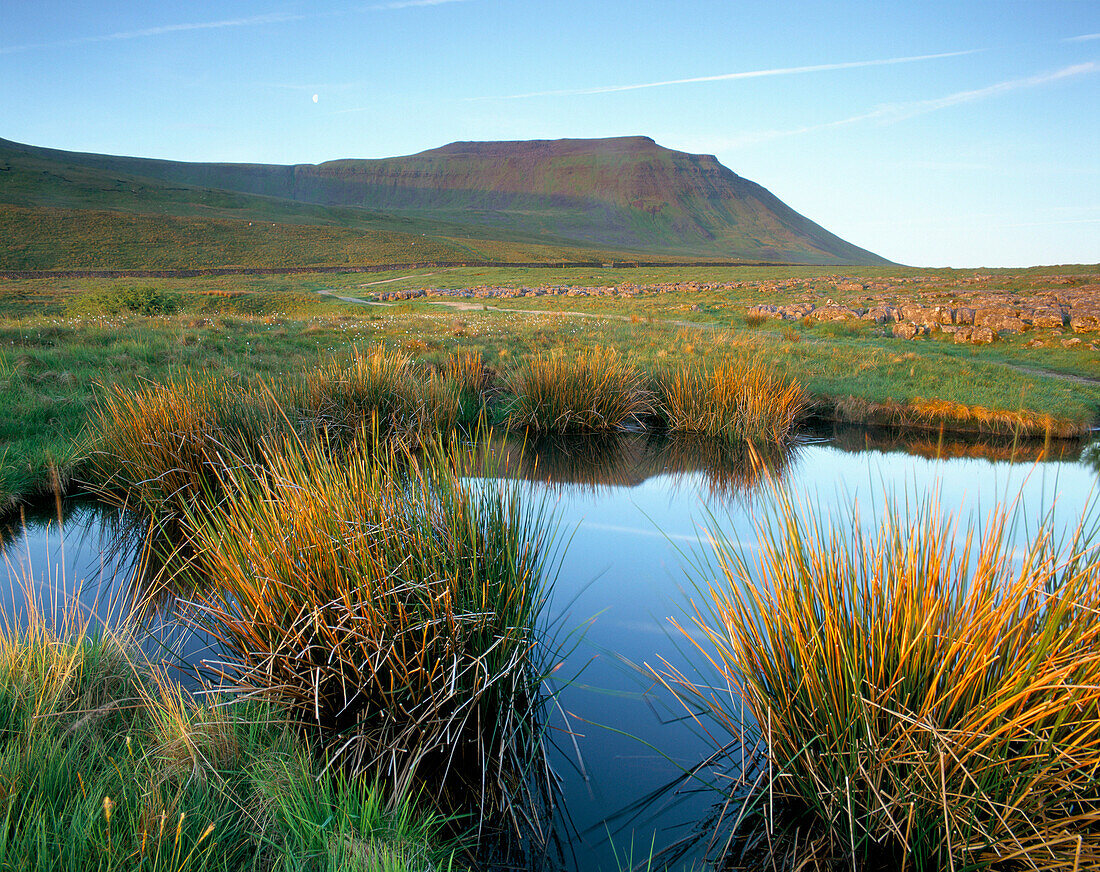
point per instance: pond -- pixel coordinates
(633, 512)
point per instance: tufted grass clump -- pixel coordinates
(926, 695)
(159, 447)
(590, 390)
(383, 391)
(389, 604)
(106, 763)
(735, 403)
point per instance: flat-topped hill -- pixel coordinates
(623, 195)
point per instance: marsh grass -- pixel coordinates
(390, 605)
(384, 389)
(105, 763)
(734, 403)
(937, 414)
(590, 390)
(160, 446)
(465, 367)
(927, 696)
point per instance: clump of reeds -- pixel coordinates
(105, 764)
(389, 604)
(160, 446)
(739, 402)
(928, 697)
(465, 367)
(382, 391)
(594, 389)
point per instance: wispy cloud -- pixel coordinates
(1084, 37)
(891, 113)
(405, 4)
(270, 18)
(253, 21)
(728, 77)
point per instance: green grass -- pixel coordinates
(922, 694)
(60, 338)
(64, 239)
(107, 765)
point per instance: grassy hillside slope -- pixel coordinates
(65, 239)
(627, 194)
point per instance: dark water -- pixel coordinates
(633, 511)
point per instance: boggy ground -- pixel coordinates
(63, 339)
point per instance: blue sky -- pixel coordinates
(956, 133)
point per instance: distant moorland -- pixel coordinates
(587, 201)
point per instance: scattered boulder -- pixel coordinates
(880, 314)
(975, 335)
(1045, 317)
(1008, 324)
(796, 311)
(834, 313)
(907, 330)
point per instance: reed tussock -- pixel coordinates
(590, 390)
(105, 763)
(927, 696)
(161, 446)
(465, 367)
(382, 390)
(386, 603)
(737, 403)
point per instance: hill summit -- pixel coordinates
(624, 194)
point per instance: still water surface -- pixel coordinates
(632, 513)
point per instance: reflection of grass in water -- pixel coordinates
(596, 461)
(1091, 456)
(1009, 449)
(589, 460)
(927, 695)
(728, 471)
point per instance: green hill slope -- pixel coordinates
(621, 196)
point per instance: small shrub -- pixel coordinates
(118, 300)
